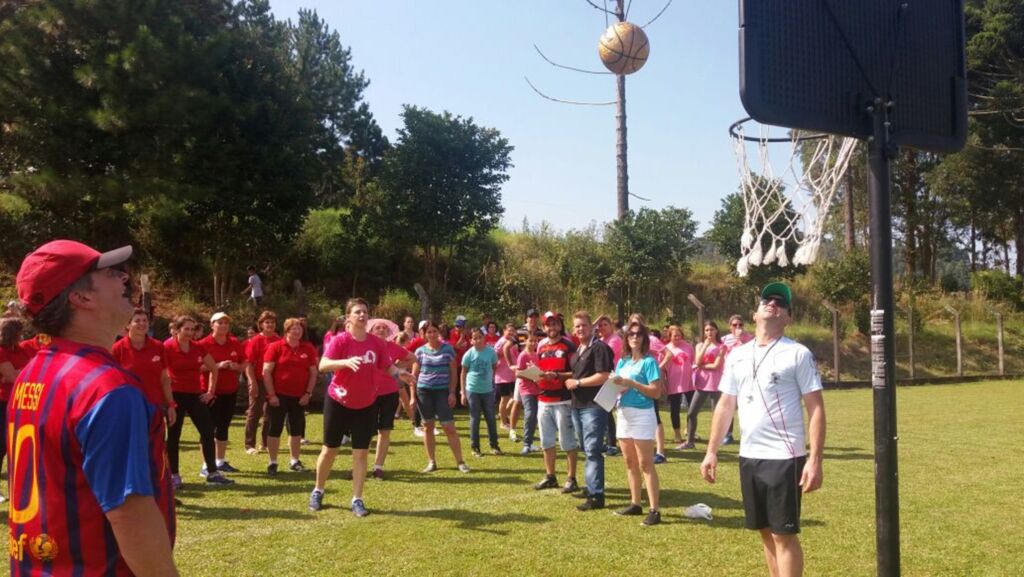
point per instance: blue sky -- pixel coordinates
(470, 57)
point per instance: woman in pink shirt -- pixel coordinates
(707, 372)
(507, 348)
(677, 363)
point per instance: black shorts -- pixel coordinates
(657, 413)
(386, 406)
(290, 409)
(340, 420)
(222, 410)
(505, 389)
(771, 493)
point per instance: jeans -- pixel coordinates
(529, 418)
(592, 424)
(482, 402)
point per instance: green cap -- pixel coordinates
(778, 289)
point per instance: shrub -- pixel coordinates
(395, 304)
(997, 285)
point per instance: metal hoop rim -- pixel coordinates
(738, 123)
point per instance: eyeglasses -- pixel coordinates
(777, 301)
(635, 334)
(737, 325)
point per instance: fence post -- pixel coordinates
(836, 341)
(424, 301)
(959, 342)
(700, 316)
(999, 339)
(910, 338)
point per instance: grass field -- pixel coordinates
(960, 469)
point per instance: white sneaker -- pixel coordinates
(463, 468)
(418, 431)
(345, 439)
(512, 435)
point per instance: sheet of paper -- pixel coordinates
(531, 373)
(608, 395)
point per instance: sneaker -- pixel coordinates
(476, 453)
(549, 482)
(252, 451)
(526, 450)
(592, 503)
(686, 447)
(728, 440)
(218, 479)
(418, 431)
(204, 472)
(496, 451)
(345, 439)
(297, 466)
(463, 468)
(358, 508)
(512, 436)
(430, 468)
(659, 459)
(3, 499)
(226, 468)
(378, 474)
(652, 518)
(612, 451)
(272, 469)
(571, 486)
(176, 481)
(630, 511)
(316, 500)
(536, 449)
(304, 441)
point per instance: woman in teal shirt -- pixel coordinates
(637, 424)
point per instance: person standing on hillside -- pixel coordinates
(767, 379)
(98, 500)
(255, 287)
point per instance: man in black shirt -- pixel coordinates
(591, 367)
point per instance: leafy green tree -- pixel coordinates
(441, 186)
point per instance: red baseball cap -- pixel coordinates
(552, 315)
(56, 265)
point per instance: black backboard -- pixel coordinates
(816, 64)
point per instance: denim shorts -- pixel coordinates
(556, 419)
(433, 405)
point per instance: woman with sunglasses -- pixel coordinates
(640, 378)
(707, 372)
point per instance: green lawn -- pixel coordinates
(960, 469)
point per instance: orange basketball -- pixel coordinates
(623, 48)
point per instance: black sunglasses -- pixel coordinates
(779, 302)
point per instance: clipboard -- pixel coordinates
(530, 373)
(608, 395)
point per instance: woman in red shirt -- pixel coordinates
(185, 357)
(143, 355)
(13, 356)
(229, 354)
(289, 375)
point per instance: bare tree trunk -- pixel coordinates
(621, 164)
(974, 245)
(1018, 225)
(909, 191)
(216, 287)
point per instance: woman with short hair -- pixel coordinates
(436, 374)
(289, 375)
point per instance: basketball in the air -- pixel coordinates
(623, 48)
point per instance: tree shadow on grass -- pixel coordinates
(192, 511)
(473, 477)
(847, 454)
(472, 520)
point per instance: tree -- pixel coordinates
(441, 185)
(645, 248)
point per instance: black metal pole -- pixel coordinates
(883, 350)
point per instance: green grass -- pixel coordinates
(960, 467)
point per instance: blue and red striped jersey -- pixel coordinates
(81, 438)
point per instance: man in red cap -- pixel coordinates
(98, 500)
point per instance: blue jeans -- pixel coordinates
(592, 424)
(482, 402)
(529, 418)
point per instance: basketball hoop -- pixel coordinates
(791, 205)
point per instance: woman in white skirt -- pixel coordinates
(638, 373)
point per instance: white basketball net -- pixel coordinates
(799, 197)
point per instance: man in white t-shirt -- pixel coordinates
(255, 288)
(767, 378)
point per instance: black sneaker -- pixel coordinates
(226, 468)
(297, 467)
(630, 510)
(571, 486)
(272, 469)
(218, 479)
(592, 503)
(652, 518)
(549, 482)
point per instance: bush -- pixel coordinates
(396, 304)
(997, 285)
(842, 280)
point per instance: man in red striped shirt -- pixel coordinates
(98, 500)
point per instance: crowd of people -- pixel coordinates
(577, 384)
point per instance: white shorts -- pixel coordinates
(633, 423)
(555, 420)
